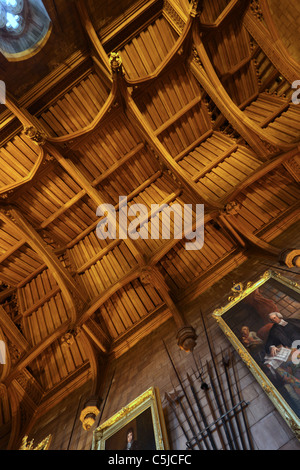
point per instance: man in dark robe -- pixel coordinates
(282, 333)
(131, 444)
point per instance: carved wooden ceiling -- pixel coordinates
(194, 108)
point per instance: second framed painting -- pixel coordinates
(262, 322)
(138, 426)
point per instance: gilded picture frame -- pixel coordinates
(248, 319)
(143, 418)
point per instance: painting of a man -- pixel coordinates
(131, 443)
(138, 434)
(283, 333)
(267, 323)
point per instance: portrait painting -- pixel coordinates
(138, 434)
(138, 426)
(262, 321)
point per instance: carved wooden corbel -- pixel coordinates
(37, 136)
(290, 258)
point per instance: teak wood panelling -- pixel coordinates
(106, 148)
(128, 306)
(77, 108)
(19, 264)
(144, 53)
(181, 266)
(218, 164)
(17, 157)
(211, 10)
(286, 127)
(267, 198)
(56, 363)
(8, 239)
(229, 49)
(173, 108)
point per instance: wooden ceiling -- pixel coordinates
(195, 109)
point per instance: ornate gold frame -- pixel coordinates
(240, 292)
(149, 399)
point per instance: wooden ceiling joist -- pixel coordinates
(64, 279)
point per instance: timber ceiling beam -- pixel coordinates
(28, 389)
(74, 296)
(260, 172)
(93, 37)
(263, 144)
(13, 333)
(35, 351)
(276, 38)
(8, 190)
(142, 328)
(72, 201)
(135, 273)
(36, 132)
(225, 15)
(181, 47)
(96, 196)
(290, 257)
(186, 335)
(62, 77)
(106, 174)
(96, 334)
(270, 45)
(103, 112)
(101, 340)
(97, 302)
(134, 115)
(117, 207)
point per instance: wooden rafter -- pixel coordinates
(67, 284)
(279, 57)
(253, 134)
(94, 194)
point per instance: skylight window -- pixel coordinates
(11, 15)
(25, 27)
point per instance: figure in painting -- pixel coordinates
(131, 444)
(249, 338)
(273, 339)
(282, 334)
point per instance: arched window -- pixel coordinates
(11, 17)
(24, 28)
